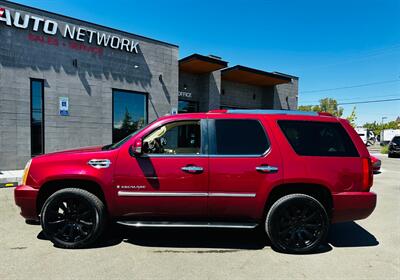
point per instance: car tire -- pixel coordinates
(297, 223)
(73, 218)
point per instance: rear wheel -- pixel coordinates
(73, 218)
(297, 223)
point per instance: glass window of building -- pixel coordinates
(129, 113)
(37, 117)
(185, 106)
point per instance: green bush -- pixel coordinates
(385, 149)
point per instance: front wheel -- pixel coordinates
(73, 218)
(297, 223)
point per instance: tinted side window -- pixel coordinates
(318, 138)
(240, 137)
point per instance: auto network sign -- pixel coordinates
(73, 32)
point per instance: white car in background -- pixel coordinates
(387, 135)
(366, 135)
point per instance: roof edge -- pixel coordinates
(88, 22)
(204, 58)
(257, 71)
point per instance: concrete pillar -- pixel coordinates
(285, 95)
(210, 88)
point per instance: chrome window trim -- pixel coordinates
(173, 156)
(184, 194)
(204, 155)
(211, 134)
(241, 156)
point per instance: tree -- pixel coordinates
(309, 108)
(378, 127)
(330, 105)
(126, 121)
(352, 118)
(127, 125)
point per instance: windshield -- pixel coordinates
(396, 140)
(120, 143)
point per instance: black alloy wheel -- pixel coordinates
(73, 218)
(297, 223)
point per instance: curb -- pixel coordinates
(8, 185)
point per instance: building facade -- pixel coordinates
(67, 83)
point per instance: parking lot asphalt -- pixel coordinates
(367, 249)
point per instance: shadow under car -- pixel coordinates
(348, 234)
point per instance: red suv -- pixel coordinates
(289, 173)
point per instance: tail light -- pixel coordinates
(367, 175)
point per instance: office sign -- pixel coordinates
(185, 94)
(77, 33)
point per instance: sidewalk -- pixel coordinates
(376, 148)
(10, 178)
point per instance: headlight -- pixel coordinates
(26, 171)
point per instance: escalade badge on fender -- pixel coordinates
(131, 187)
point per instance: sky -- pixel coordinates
(347, 50)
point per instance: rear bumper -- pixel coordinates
(25, 198)
(350, 206)
(376, 166)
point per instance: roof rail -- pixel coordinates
(220, 111)
(270, 112)
(325, 114)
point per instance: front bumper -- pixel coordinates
(350, 206)
(25, 198)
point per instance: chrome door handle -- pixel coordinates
(192, 169)
(267, 169)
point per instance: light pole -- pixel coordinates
(383, 118)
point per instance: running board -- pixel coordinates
(187, 224)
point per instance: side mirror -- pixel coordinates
(137, 147)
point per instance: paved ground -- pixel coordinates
(365, 249)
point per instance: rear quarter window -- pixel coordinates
(311, 138)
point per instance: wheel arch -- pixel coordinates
(50, 187)
(317, 191)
